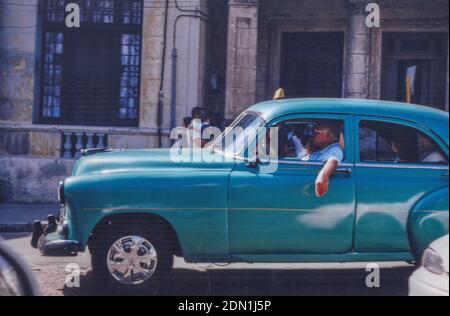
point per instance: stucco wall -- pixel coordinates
(32, 180)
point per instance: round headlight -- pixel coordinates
(61, 197)
(433, 262)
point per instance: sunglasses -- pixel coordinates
(320, 131)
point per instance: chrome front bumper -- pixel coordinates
(51, 238)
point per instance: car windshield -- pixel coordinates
(235, 139)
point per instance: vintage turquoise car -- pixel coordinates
(136, 209)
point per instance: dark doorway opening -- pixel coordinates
(312, 64)
(426, 54)
(420, 88)
(216, 62)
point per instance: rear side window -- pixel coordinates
(395, 143)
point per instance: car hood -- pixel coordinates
(127, 161)
(441, 247)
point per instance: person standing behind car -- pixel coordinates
(198, 126)
(187, 121)
(187, 132)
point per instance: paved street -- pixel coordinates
(234, 280)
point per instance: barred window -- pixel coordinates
(52, 74)
(55, 10)
(131, 12)
(91, 75)
(129, 88)
(92, 11)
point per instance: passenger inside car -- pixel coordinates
(396, 143)
(430, 153)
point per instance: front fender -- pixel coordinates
(428, 220)
(193, 202)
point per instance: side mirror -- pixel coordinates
(254, 157)
(253, 164)
(259, 160)
(15, 280)
(263, 159)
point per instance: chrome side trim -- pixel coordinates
(401, 166)
(308, 163)
(429, 211)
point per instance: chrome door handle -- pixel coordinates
(346, 171)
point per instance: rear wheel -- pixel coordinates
(132, 261)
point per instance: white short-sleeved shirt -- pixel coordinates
(334, 151)
(434, 157)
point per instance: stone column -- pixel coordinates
(357, 59)
(152, 52)
(17, 60)
(241, 56)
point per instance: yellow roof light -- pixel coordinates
(279, 94)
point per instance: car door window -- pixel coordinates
(296, 137)
(387, 142)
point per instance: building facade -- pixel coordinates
(135, 68)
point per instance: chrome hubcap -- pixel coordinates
(132, 260)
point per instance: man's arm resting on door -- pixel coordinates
(323, 179)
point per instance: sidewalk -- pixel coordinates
(20, 217)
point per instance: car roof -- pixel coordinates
(432, 118)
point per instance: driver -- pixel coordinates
(326, 149)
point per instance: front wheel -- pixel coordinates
(132, 262)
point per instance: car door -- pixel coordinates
(279, 212)
(391, 178)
